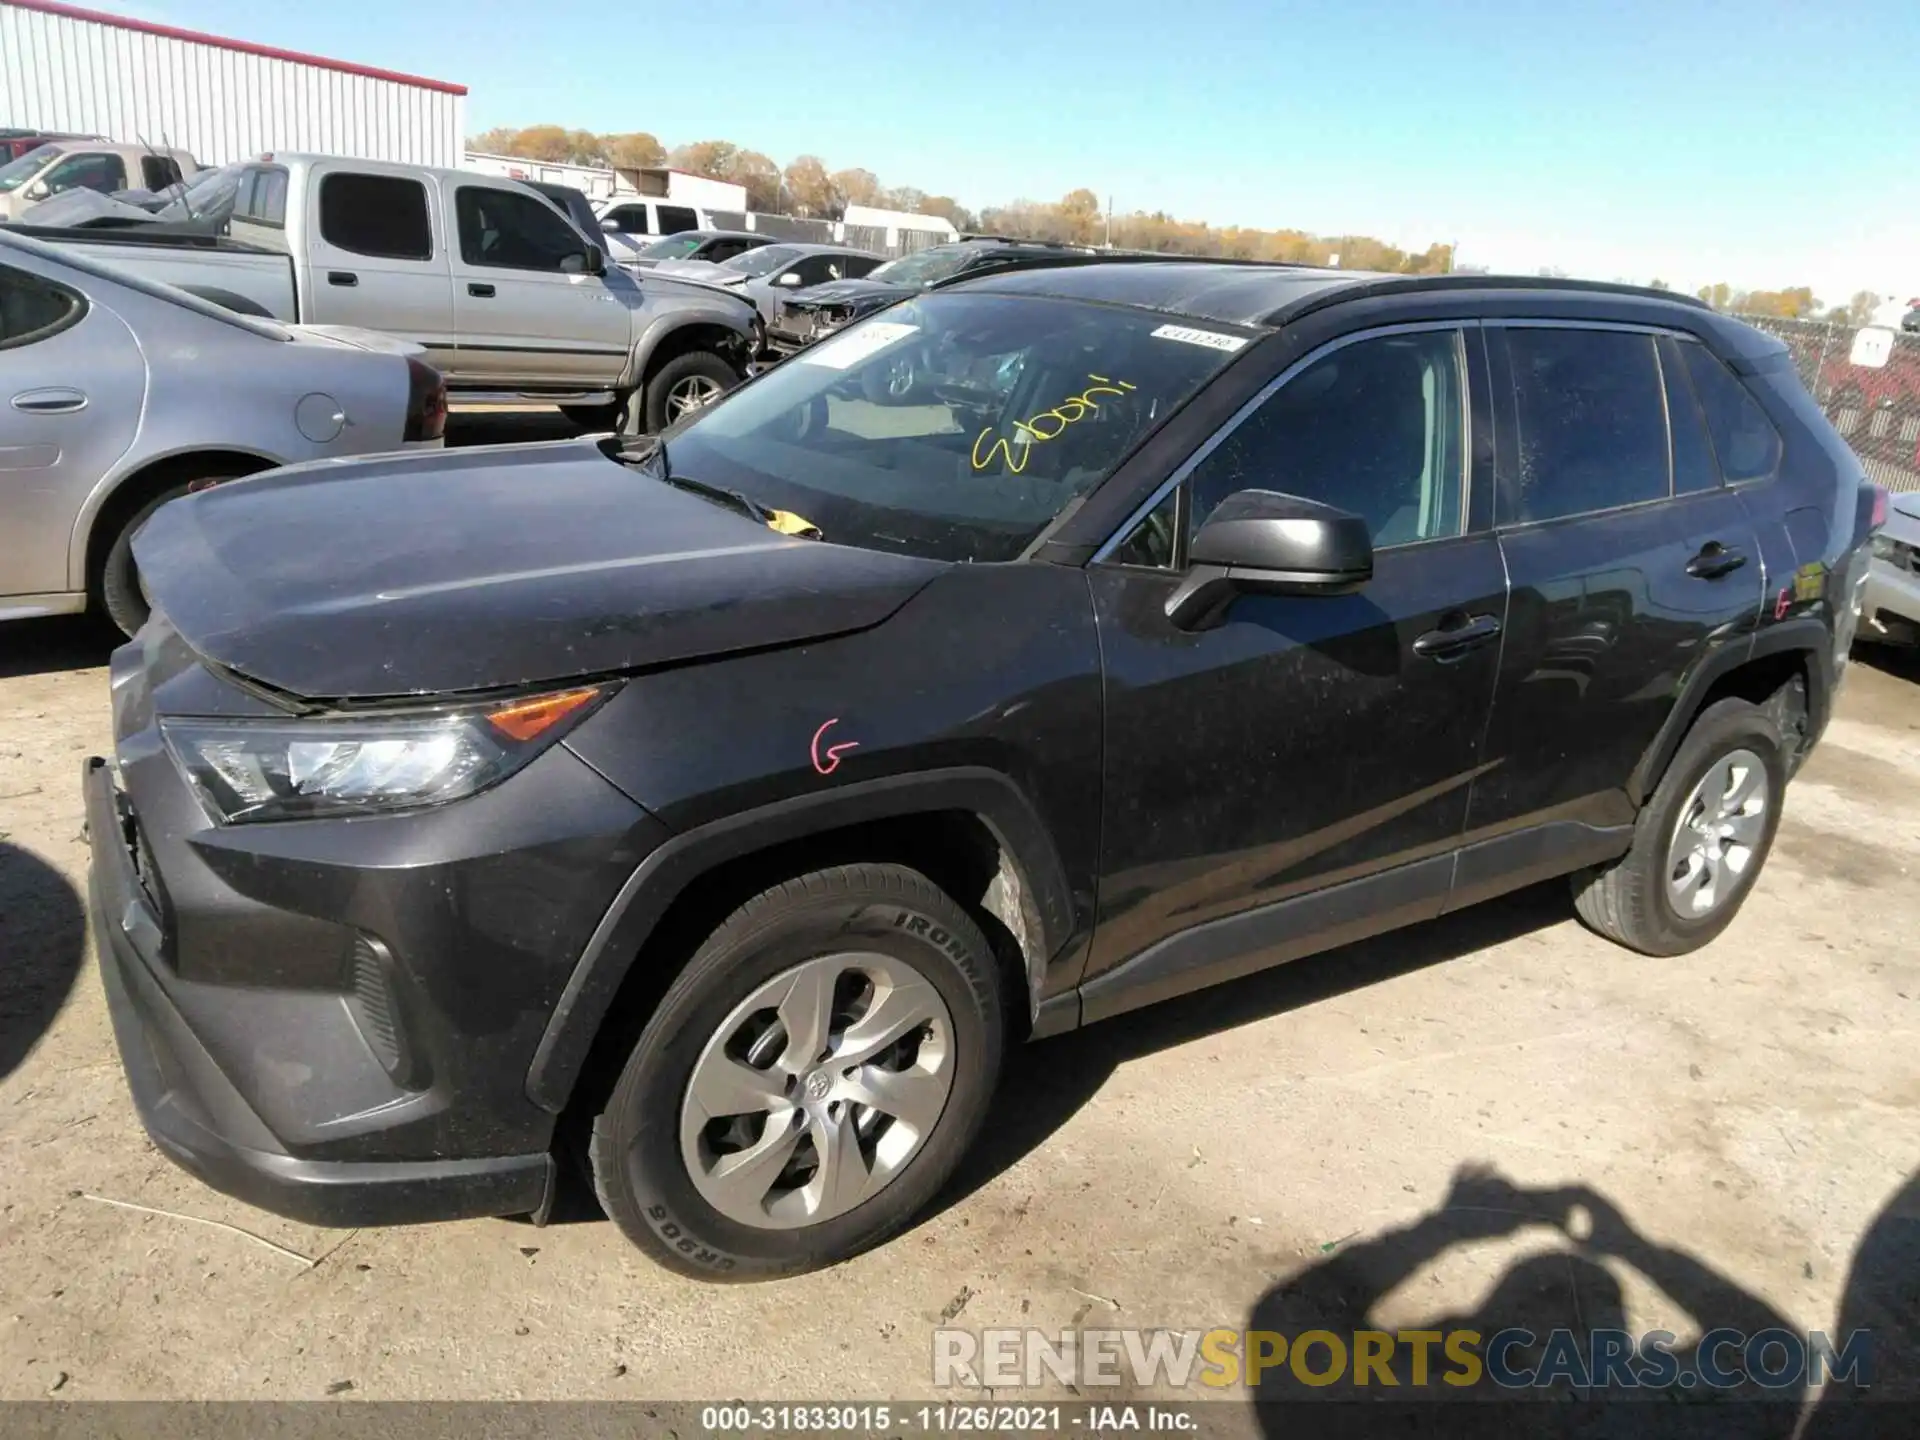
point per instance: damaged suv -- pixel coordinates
(717, 809)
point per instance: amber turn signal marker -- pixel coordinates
(528, 719)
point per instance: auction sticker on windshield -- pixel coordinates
(850, 349)
(1212, 339)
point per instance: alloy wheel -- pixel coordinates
(817, 1090)
(695, 392)
(1717, 835)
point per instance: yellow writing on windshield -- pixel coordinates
(1043, 427)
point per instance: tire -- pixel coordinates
(648, 1141)
(119, 583)
(595, 418)
(1631, 901)
(683, 373)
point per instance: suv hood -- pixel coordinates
(488, 568)
(838, 292)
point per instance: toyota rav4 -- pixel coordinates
(718, 807)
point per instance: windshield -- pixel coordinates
(927, 268)
(954, 426)
(16, 173)
(764, 261)
(672, 247)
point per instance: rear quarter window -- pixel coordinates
(379, 215)
(1743, 437)
(34, 309)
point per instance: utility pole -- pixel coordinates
(1109, 222)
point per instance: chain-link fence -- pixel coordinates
(1868, 381)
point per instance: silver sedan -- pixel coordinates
(1890, 605)
(766, 274)
(119, 393)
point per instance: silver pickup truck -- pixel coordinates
(509, 299)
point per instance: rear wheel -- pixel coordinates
(121, 594)
(1700, 840)
(809, 1081)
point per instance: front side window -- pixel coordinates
(159, 171)
(515, 232)
(1743, 436)
(955, 426)
(1591, 419)
(105, 173)
(32, 309)
(629, 219)
(1376, 428)
(675, 218)
(379, 215)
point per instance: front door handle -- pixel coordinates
(1715, 560)
(484, 292)
(342, 277)
(54, 400)
(1450, 642)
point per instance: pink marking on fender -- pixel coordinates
(833, 752)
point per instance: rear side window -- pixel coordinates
(1743, 437)
(1591, 420)
(380, 215)
(32, 309)
(1694, 469)
(262, 198)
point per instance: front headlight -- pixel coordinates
(1885, 547)
(296, 769)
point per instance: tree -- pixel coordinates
(543, 142)
(948, 209)
(855, 187)
(1860, 309)
(1719, 295)
(633, 150)
(1787, 304)
(497, 141)
(706, 157)
(1079, 213)
(1658, 284)
(809, 188)
(760, 176)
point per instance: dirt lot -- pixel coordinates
(1272, 1153)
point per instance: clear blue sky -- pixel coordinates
(1767, 143)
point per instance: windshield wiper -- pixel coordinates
(734, 499)
(650, 452)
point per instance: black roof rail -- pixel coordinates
(1054, 260)
(1381, 284)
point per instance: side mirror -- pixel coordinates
(1260, 541)
(38, 190)
(596, 260)
(612, 227)
(791, 279)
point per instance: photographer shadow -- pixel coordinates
(1571, 1287)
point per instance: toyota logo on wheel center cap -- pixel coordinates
(818, 1085)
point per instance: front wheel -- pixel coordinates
(685, 384)
(122, 595)
(1699, 841)
(809, 1081)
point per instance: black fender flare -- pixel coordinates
(665, 874)
(1808, 634)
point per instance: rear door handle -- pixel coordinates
(485, 292)
(1715, 560)
(342, 277)
(1450, 642)
(54, 400)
